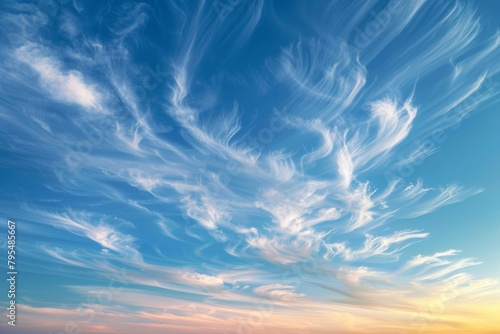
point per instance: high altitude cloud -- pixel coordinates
(239, 166)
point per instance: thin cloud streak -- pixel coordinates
(168, 142)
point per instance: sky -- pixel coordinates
(251, 167)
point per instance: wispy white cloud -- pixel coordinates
(374, 246)
(66, 86)
(278, 292)
(97, 229)
(218, 213)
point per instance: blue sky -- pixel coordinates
(252, 166)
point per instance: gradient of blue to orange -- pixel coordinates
(251, 166)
